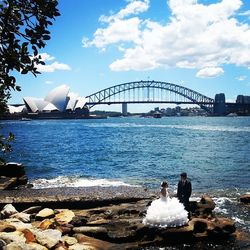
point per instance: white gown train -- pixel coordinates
(166, 212)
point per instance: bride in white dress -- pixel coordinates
(166, 211)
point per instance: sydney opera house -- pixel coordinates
(59, 103)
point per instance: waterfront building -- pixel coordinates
(59, 101)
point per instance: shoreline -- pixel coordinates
(74, 197)
(114, 215)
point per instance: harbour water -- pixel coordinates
(214, 151)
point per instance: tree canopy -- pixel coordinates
(23, 32)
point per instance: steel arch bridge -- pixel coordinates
(149, 92)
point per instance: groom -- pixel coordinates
(184, 190)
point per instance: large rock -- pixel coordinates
(12, 169)
(22, 217)
(8, 182)
(46, 224)
(2, 244)
(32, 210)
(45, 213)
(92, 243)
(48, 238)
(64, 216)
(16, 246)
(205, 206)
(23, 246)
(79, 221)
(221, 227)
(19, 225)
(61, 246)
(69, 240)
(8, 210)
(6, 227)
(65, 229)
(16, 236)
(93, 231)
(29, 236)
(36, 246)
(245, 198)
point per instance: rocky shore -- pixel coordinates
(102, 218)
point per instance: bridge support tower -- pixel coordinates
(220, 105)
(124, 109)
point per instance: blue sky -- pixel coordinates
(201, 44)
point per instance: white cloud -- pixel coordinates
(47, 57)
(246, 13)
(198, 36)
(210, 72)
(51, 67)
(117, 31)
(241, 78)
(133, 8)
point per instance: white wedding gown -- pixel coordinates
(166, 212)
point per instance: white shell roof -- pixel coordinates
(14, 109)
(81, 101)
(58, 97)
(72, 100)
(50, 107)
(35, 104)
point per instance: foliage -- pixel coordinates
(5, 145)
(23, 32)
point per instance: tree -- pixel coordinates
(23, 32)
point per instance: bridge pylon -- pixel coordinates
(124, 109)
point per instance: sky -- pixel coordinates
(200, 44)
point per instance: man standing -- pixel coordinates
(184, 190)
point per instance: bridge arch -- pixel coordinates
(190, 96)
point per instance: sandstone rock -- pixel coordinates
(205, 206)
(92, 243)
(8, 210)
(61, 246)
(177, 234)
(19, 225)
(78, 246)
(46, 224)
(48, 238)
(65, 229)
(12, 169)
(29, 236)
(2, 243)
(222, 227)
(6, 227)
(23, 246)
(45, 213)
(69, 240)
(79, 221)
(36, 246)
(64, 216)
(90, 230)
(21, 216)
(16, 246)
(200, 227)
(12, 237)
(245, 198)
(99, 222)
(32, 210)
(22, 180)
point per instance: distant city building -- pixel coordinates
(243, 99)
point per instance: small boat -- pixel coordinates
(157, 115)
(25, 119)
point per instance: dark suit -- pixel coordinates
(184, 192)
